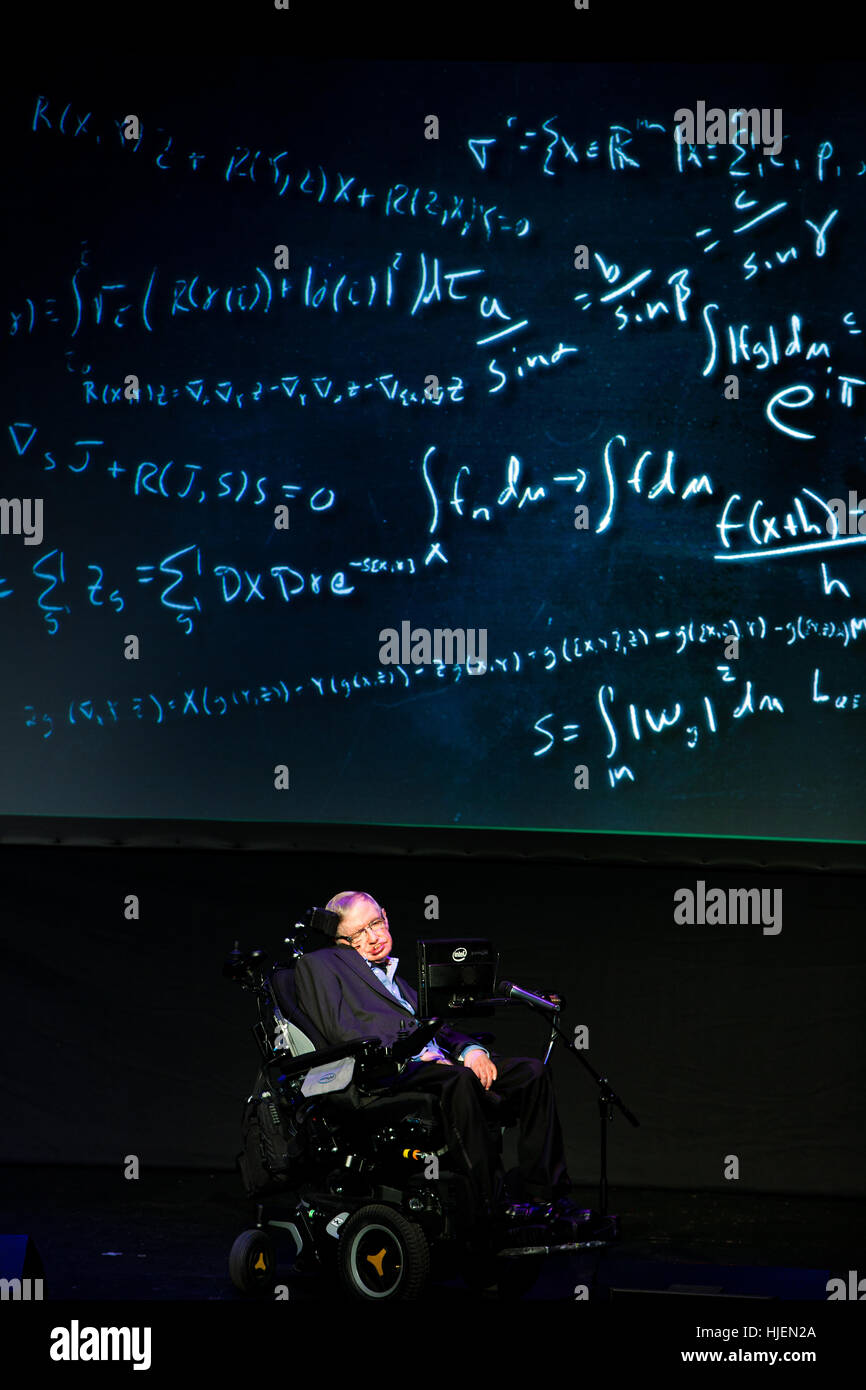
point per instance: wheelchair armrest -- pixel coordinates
(368, 1049)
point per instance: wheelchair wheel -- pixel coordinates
(382, 1255)
(253, 1263)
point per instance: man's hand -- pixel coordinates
(428, 1056)
(478, 1061)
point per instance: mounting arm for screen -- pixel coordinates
(551, 1006)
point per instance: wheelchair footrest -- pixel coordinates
(515, 1252)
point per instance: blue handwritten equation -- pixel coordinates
(283, 382)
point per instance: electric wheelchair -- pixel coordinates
(358, 1180)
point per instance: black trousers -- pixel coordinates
(522, 1094)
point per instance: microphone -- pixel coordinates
(515, 992)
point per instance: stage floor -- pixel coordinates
(167, 1236)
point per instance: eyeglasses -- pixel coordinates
(374, 927)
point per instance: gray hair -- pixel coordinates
(342, 902)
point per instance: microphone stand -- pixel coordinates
(607, 1098)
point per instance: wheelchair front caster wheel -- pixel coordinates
(253, 1263)
(382, 1255)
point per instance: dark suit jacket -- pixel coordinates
(339, 993)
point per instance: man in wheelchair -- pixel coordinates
(342, 1093)
(353, 991)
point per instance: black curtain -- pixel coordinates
(122, 1037)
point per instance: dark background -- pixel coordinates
(122, 1037)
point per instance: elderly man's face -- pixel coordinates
(375, 943)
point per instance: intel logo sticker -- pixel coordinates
(460, 953)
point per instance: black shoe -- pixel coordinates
(537, 1236)
(525, 1213)
(569, 1210)
(569, 1222)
